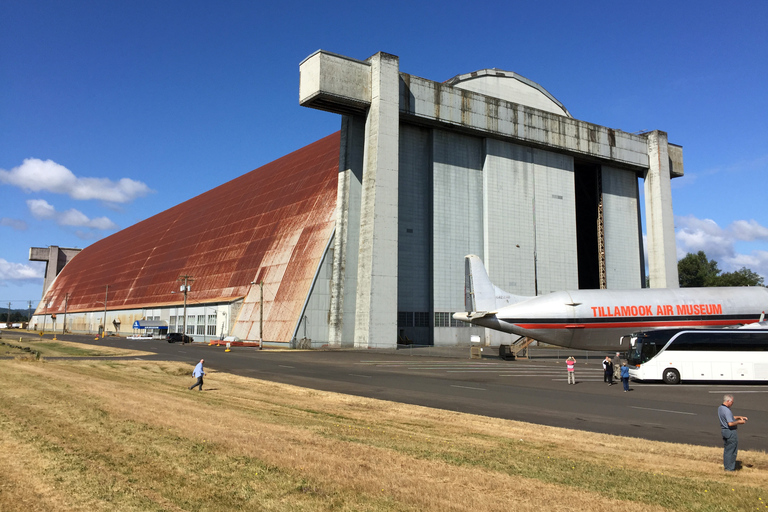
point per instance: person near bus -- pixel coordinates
(624, 372)
(616, 366)
(570, 364)
(728, 425)
(608, 370)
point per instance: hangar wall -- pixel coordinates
(512, 177)
(414, 255)
(623, 249)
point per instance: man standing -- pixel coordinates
(617, 366)
(728, 425)
(608, 371)
(198, 372)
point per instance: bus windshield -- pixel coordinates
(645, 345)
(643, 351)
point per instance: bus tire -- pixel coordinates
(671, 376)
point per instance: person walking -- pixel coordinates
(624, 372)
(198, 372)
(570, 364)
(608, 370)
(728, 425)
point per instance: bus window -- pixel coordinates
(643, 351)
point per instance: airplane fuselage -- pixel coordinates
(597, 319)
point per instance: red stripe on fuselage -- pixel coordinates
(622, 325)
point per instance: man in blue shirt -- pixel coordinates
(728, 425)
(198, 372)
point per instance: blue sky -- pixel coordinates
(120, 110)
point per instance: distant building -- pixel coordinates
(359, 239)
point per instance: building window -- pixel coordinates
(172, 324)
(421, 319)
(190, 329)
(200, 329)
(458, 323)
(211, 330)
(211, 319)
(443, 319)
(405, 319)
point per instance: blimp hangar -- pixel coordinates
(420, 174)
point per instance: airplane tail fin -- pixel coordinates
(480, 294)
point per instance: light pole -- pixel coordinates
(45, 317)
(185, 288)
(66, 301)
(261, 312)
(104, 330)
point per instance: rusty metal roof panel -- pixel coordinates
(272, 223)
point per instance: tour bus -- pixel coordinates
(675, 355)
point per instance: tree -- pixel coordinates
(742, 277)
(697, 270)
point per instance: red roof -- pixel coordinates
(271, 224)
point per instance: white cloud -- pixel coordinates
(35, 175)
(694, 234)
(17, 224)
(41, 209)
(748, 230)
(19, 271)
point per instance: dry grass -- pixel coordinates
(60, 348)
(130, 436)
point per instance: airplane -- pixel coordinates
(598, 319)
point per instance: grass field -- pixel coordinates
(58, 348)
(129, 435)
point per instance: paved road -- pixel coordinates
(533, 391)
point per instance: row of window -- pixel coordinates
(196, 324)
(727, 341)
(421, 319)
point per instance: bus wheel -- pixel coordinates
(671, 376)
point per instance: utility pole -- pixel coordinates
(66, 301)
(104, 330)
(185, 288)
(29, 314)
(261, 312)
(8, 324)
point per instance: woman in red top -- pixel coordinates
(571, 365)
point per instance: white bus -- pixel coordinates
(675, 355)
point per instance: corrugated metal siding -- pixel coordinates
(271, 223)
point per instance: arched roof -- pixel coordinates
(509, 86)
(270, 224)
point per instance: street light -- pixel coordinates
(104, 330)
(66, 301)
(261, 312)
(45, 317)
(185, 288)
